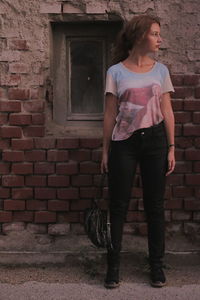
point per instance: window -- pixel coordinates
(81, 55)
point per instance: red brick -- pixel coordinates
(80, 155)
(35, 106)
(3, 119)
(191, 79)
(19, 119)
(191, 204)
(182, 191)
(175, 179)
(80, 205)
(57, 155)
(9, 106)
(18, 94)
(17, 44)
(135, 216)
(197, 92)
(22, 193)
(82, 180)
(36, 205)
(18, 68)
(44, 168)
(69, 143)
(177, 104)
(179, 154)
(25, 216)
(142, 229)
(96, 155)
(89, 167)
(45, 193)
(35, 155)
(91, 143)
(191, 130)
(5, 216)
(178, 130)
(192, 154)
(69, 193)
(196, 167)
(197, 142)
(57, 181)
(25, 168)
(10, 132)
(133, 204)
(4, 193)
(174, 204)
(23, 144)
(34, 131)
(45, 217)
(58, 205)
(183, 92)
(183, 167)
(12, 180)
(88, 192)
(14, 204)
(13, 156)
(192, 179)
(4, 168)
(38, 119)
(67, 168)
(45, 143)
(74, 217)
(192, 105)
(177, 80)
(182, 117)
(36, 180)
(181, 215)
(184, 142)
(4, 144)
(36, 93)
(10, 80)
(196, 117)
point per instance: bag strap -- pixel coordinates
(102, 182)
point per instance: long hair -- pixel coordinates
(132, 32)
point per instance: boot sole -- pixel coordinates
(113, 285)
(158, 284)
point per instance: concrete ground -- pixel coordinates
(81, 275)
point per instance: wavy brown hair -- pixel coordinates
(133, 31)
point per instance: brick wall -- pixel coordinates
(46, 180)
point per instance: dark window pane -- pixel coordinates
(86, 76)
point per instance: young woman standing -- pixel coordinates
(138, 128)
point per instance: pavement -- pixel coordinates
(80, 276)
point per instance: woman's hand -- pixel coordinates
(171, 161)
(104, 163)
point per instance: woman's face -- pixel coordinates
(153, 39)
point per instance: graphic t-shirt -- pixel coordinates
(139, 97)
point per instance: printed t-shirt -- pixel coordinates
(139, 97)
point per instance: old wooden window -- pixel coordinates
(81, 55)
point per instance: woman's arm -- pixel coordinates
(110, 114)
(166, 109)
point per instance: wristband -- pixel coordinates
(171, 145)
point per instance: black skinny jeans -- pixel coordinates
(148, 147)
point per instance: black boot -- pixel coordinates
(157, 275)
(112, 276)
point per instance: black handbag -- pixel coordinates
(97, 223)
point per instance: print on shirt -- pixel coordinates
(137, 109)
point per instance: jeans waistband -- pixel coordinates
(150, 130)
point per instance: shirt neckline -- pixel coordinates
(127, 69)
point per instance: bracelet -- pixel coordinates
(171, 145)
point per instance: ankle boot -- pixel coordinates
(112, 275)
(157, 275)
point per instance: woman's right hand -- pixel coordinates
(104, 163)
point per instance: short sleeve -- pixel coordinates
(111, 86)
(167, 83)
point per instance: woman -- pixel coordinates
(138, 128)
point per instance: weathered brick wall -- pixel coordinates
(48, 180)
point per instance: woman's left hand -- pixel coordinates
(171, 161)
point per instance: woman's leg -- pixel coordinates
(122, 166)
